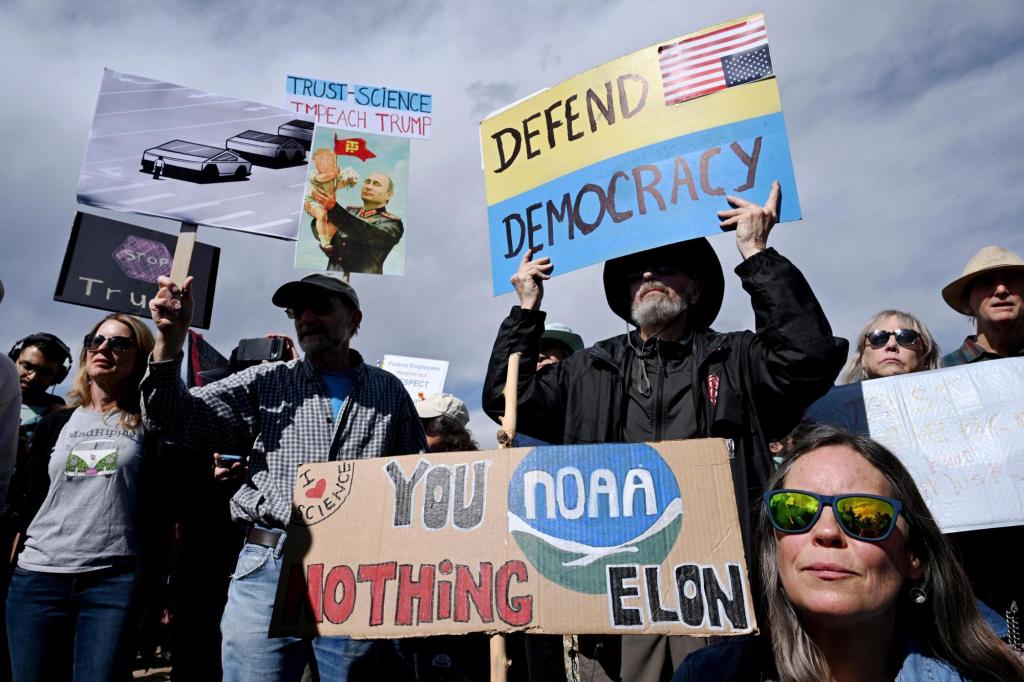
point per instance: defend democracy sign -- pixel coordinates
(620, 538)
(112, 265)
(421, 377)
(959, 430)
(637, 153)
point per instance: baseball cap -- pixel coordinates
(292, 294)
(446, 405)
(556, 331)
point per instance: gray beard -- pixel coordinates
(650, 312)
(322, 343)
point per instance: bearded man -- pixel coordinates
(675, 378)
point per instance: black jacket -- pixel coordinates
(749, 387)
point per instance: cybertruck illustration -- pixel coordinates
(197, 162)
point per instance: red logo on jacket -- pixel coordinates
(713, 389)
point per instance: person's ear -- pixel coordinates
(916, 568)
(695, 292)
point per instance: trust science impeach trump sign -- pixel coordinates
(637, 153)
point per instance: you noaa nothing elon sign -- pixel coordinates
(617, 538)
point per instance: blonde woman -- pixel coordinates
(892, 342)
(68, 604)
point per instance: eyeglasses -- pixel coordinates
(870, 518)
(118, 344)
(317, 306)
(905, 337)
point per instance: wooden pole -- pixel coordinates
(183, 252)
(507, 432)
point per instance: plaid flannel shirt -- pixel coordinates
(970, 352)
(281, 415)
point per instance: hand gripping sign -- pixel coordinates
(617, 538)
(639, 152)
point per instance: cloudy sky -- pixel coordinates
(903, 118)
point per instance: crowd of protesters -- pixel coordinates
(105, 549)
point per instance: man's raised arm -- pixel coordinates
(219, 417)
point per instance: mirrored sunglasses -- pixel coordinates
(905, 337)
(118, 344)
(870, 518)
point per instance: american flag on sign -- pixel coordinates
(716, 60)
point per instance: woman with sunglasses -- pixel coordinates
(859, 583)
(892, 342)
(68, 604)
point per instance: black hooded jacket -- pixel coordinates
(748, 387)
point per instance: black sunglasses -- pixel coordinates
(870, 518)
(318, 306)
(879, 337)
(663, 270)
(118, 344)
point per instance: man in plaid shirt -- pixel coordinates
(328, 406)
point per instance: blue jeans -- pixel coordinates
(248, 652)
(64, 626)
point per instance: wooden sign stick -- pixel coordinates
(507, 432)
(183, 252)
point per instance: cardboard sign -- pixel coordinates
(371, 108)
(113, 266)
(637, 153)
(422, 377)
(959, 430)
(619, 539)
(358, 235)
(166, 150)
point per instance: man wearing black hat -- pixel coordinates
(328, 406)
(674, 377)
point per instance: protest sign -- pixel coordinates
(202, 358)
(166, 150)
(368, 176)
(619, 538)
(959, 430)
(421, 377)
(371, 108)
(112, 265)
(637, 153)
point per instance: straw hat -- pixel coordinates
(989, 258)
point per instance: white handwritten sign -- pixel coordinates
(960, 432)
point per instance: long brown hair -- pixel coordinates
(81, 396)
(947, 626)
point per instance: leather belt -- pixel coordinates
(263, 537)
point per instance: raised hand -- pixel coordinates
(529, 279)
(171, 310)
(752, 222)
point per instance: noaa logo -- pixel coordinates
(575, 509)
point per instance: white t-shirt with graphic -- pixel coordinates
(88, 520)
